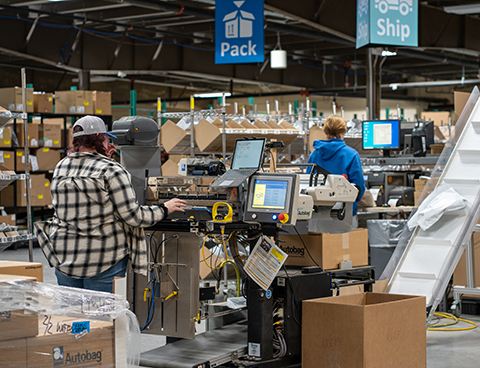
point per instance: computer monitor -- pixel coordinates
(381, 134)
(407, 128)
(272, 196)
(248, 153)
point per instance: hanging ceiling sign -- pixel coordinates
(387, 22)
(239, 31)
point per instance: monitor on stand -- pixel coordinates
(381, 135)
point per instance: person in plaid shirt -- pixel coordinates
(98, 224)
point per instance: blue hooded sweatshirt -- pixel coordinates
(339, 159)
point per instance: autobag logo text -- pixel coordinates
(60, 358)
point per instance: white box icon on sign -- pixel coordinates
(239, 24)
(403, 6)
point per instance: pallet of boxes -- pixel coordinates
(43, 325)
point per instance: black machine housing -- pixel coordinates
(135, 131)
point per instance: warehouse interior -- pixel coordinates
(277, 267)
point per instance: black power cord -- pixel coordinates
(305, 246)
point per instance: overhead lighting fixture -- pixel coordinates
(462, 9)
(388, 53)
(212, 95)
(278, 57)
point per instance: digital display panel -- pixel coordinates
(248, 154)
(381, 134)
(270, 194)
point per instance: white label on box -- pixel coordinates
(345, 241)
(48, 143)
(19, 107)
(81, 109)
(1, 157)
(33, 160)
(71, 109)
(34, 143)
(1, 132)
(11, 106)
(346, 257)
(254, 349)
(23, 159)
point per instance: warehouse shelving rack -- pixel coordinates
(5, 180)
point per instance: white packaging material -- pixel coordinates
(443, 199)
(237, 302)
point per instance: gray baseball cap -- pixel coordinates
(91, 125)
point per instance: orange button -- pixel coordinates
(283, 217)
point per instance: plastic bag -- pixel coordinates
(443, 199)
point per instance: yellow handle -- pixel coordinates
(192, 103)
(145, 294)
(172, 294)
(227, 218)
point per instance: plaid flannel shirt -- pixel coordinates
(97, 219)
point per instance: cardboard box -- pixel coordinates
(47, 158)
(440, 118)
(33, 135)
(437, 148)
(9, 220)
(65, 102)
(102, 103)
(43, 102)
(459, 101)
(371, 330)
(51, 133)
(6, 136)
(58, 345)
(328, 250)
(39, 192)
(11, 98)
(14, 353)
(420, 184)
(19, 155)
(205, 272)
(174, 138)
(16, 324)
(460, 274)
(84, 102)
(32, 269)
(7, 159)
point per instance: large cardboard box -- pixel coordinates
(420, 184)
(32, 269)
(13, 353)
(441, 118)
(17, 323)
(47, 158)
(43, 102)
(39, 192)
(33, 135)
(65, 102)
(363, 330)
(459, 101)
(102, 103)
(84, 102)
(20, 159)
(59, 343)
(7, 159)
(11, 98)
(8, 219)
(51, 133)
(6, 136)
(328, 250)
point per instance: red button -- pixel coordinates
(281, 217)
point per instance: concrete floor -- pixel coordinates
(455, 349)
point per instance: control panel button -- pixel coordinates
(283, 217)
(254, 215)
(274, 217)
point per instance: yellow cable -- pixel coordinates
(224, 247)
(450, 316)
(237, 272)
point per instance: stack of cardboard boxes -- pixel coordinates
(32, 335)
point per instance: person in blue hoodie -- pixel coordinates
(338, 158)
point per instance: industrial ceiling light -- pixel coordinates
(278, 58)
(463, 9)
(388, 53)
(212, 95)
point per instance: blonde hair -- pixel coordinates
(334, 126)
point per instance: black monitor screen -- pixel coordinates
(381, 134)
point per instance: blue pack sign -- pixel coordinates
(387, 22)
(239, 31)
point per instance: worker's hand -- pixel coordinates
(111, 150)
(175, 204)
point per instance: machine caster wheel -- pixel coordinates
(457, 308)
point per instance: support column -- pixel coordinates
(374, 78)
(84, 80)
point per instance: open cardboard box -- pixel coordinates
(371, 330)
